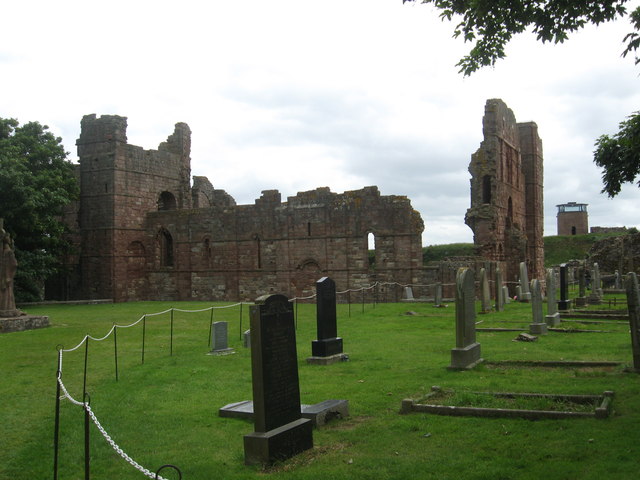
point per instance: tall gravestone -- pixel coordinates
(485, 291)
(505, 294)
(499, 291)
(437, 295)
(328, 347)
(564, 304)
(581, 300)
(633, 304)
(553, 316)
(537, 326)
(617, 280)
(525, 293)
(280, 431)
(466, 354)
(596, 286)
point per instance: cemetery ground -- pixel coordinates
(165, 411)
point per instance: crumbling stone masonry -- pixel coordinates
(145, 233)
(506, 214)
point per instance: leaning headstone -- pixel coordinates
(246, 339)
(505, 294)
(564, 304)
(485, 291)
(633, 304)
(538, 326)
(525, 293)
(408, 293)
(581, 300)
(467, 352)
(327, 348)
(596, 286)
(437, 296)
(499, 291)
(280, 431)
(553, 317)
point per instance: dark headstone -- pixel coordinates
(328, 343)
(280, 431)
(500, 297)
(467, 352)
(633, 304)
(564, 304)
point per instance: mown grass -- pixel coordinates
(166, 410)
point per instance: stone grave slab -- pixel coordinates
(319, 413)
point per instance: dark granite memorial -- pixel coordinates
(280, 431)
(328, 347)
(564, 304)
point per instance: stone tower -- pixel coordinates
(572, 219)
(120, 184)
(506, 213)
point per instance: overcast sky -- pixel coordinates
(294, 95)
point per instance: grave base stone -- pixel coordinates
(278, 443)
(552, 320)
(319, 413)
(326, 347)
(580, 301)
(331, 359)
(465, 358)
(538, 328)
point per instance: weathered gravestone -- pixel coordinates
(553, 317)
(633, 304)
(246, 339)
(327, 348)
(467, 352)
(538, 326)
(595, 298)
(505, 294)
(408, 294)
(525, 293)
(617, 280)
(564, 304)
(219, 339)
(280, 431)
(499, 291)
(581, 300)
(485, 291)
(12, 319)
(437, 295)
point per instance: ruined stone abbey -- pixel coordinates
(145, 230)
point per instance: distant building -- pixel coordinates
(573, 219)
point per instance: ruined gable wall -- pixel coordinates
(506, 192)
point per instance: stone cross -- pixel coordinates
(219, 339)
(467, 352)
(525, 293)
(485, 291)
(328, 343)
(280, 431)
(633, 304)
(500, 299)
(553, 317)
(538, 326)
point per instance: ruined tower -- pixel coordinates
(121, 183)
(506, 213)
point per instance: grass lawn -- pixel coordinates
(166, 410)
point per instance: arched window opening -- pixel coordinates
(371, 248)
(509, 212)
(167, 201)
(573, 230)
(486, 189)
(166, 249)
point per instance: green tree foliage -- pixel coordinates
(619, 155)
(491, 24)
(36, 183)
